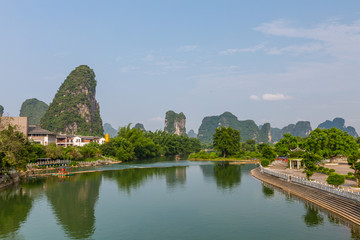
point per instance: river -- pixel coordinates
(162, 200)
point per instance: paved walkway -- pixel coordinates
(341, 169)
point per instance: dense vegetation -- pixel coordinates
(300, 129)
(16, 151)
(133, 143)
(34, 109)
(74, 109)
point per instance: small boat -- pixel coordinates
(62, 172)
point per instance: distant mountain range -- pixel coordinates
(340, 124)
(249, 130)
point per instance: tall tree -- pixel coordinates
(287, 143)
(226, 140)
(329, 143)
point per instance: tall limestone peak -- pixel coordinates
(338, 123)
(74, 109)
(264, 133)
(34, 109)
(175, 123)
(1, 110)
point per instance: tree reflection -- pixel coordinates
(129, 179)
(312, 217)
(227, 176)
(14, 209)
(268, 192)
(73, 203)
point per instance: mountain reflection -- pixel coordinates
(73, 203)
(129, 179)
(226, 176)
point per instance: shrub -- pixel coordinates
(265, 162)
(335, 179)
(331, 170)
(350, 174)
(321, 168)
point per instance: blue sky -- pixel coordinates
(270, 61)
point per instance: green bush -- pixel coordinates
(332, 170)
(265, 162)
(350, 174)
(321, 168)
(335, 179)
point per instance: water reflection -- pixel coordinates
(312, 217)
(226, 176)
(129, 179)
(15, 207)
(73, 203)
(268, 191)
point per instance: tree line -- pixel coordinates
(319, 145)
(16, 151)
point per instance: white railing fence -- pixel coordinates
(348, 193)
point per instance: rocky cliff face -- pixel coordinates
(248, 129)
(340, 124)
(1, 110)
(175, 123)
(140, 126)
(34, 109)
(265, 133)
(74, 109)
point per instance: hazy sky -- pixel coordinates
(270, 61)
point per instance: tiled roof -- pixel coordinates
(35, 129)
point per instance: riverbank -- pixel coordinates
(231, 161)
(8, 180)
(345, 208)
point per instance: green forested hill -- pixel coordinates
(248, 129)
(1, 110)
(74, 109)
(34, 109)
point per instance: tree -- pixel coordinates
(329, 143)
(15, 149)
(310, 160)
(285, 144)
(268, 153)
(335, 179)
(226, 140)
(355, 165)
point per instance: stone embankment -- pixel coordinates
(346, 208)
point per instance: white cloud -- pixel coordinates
(254, 97)
(334, 38)
(275, 97)
(187, 48)
(232, 51)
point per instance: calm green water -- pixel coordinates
(145, 201)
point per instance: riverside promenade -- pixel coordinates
(344, 207)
